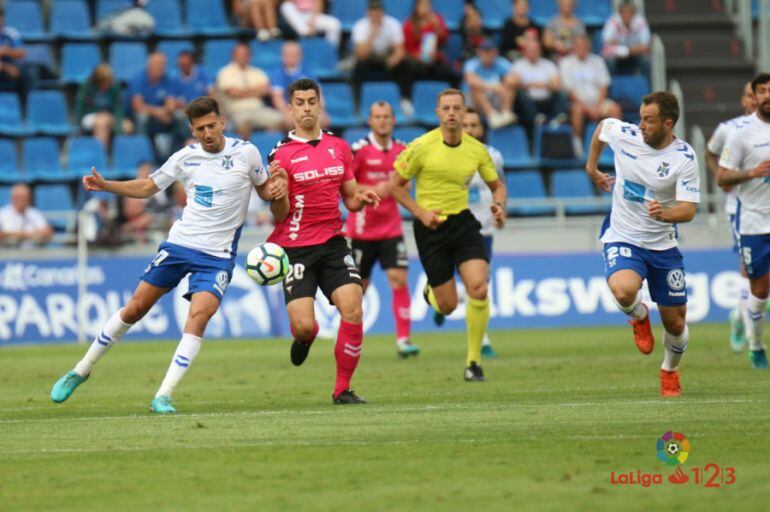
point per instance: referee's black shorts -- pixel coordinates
(443, 249)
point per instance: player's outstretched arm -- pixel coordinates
(601, 180)
(355, 198)
(139, 189)
(682, 211)
(499, 197)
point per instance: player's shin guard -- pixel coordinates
(674, 348)
(113, 330)
(476, 320)
(401, 305)
(347, 352)
(188, 348)
(636, 311)
(754, 321)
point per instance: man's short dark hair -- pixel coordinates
(200, 107)
(450, 92)
(760, 79)
(668, 105)
(382, 104)
(304, 84)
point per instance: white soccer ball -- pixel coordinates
(267, 264)
(672, 448)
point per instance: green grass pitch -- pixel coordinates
(562, 409)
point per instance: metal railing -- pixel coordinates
(740, 11)
(657, 64)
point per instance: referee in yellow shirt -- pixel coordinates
(442, 163)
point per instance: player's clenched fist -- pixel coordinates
(498, 213)
(761, 171)
(431, 219)
(278, 183)
(368, 198)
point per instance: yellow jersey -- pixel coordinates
(443, 173)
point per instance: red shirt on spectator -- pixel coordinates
(413, 41)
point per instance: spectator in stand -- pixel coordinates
(626, 41)
(136, 220)
(99, 106)
(586, 80)
(424, 34)
(472, 31)
(12, 76)
(562, 30)
(291, 69)
(244, 89)
(154, 105)
(378, 41)
(307, 18)
(259, 15)
(192, 79)
(516, 28)
(21, 225)
(491, 92)
(538, 96)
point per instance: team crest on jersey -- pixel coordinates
(675, 279)
(663, 169)
(331, 152)
(222, 280)
(227, 162)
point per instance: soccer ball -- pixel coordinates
(672, 448)
(267, 264)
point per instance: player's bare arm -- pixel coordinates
(601, 180)
(356, 197)
(682, 211)
(276, 185)
(139, 189)
(712, 162)
(500, 196)
(399, 189)
(732, 177)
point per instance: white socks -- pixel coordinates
(754, 321)
(485, 342)
(113, 330)
(636, 311)
(674, 348)
(183, 357)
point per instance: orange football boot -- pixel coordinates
(669, 383)
(643, 337)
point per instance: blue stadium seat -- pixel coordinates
(54, 198)
(41, 56)
(5, 195)
(338, 99)
(558, 140)
(513, 144)
(41, 159)
(128, 151)
(399, 9)
(171, 48)
(382, 91)
(266, 56)
(217, 53)
(407, 133)
(597, 42)
(11, 121)
(451, 10)
(453, 48)
(542, 11)
(607, 158)
(84, 153)
(25, 16)
(9, 165)
(78, 61)
(47, 112)
(106, 7)
(495, 12)
(424, 94)
(168, 18)
(571, 184)
(628, 91)
(207, 17)
(348, 12)
(526, 184)
(127, 59)
(594, 12)
(352, 135)
(265, 141)
(71, 19)
(320, 57)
